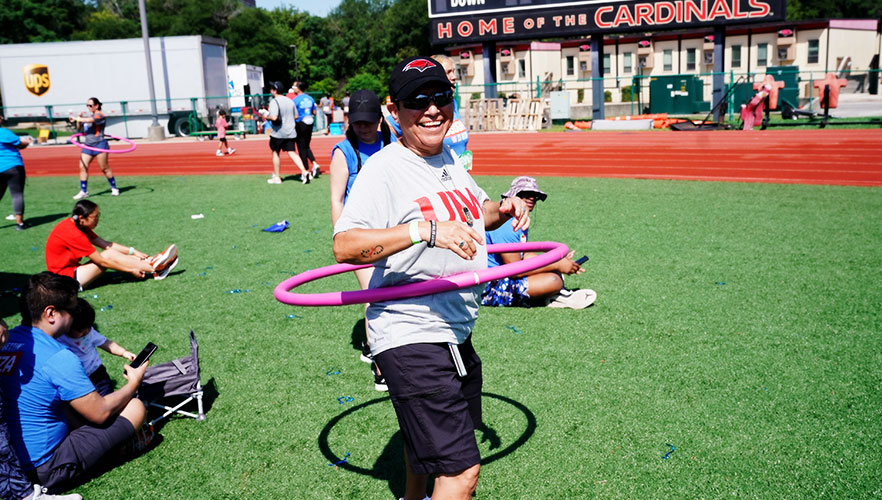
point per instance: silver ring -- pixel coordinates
(461, 244)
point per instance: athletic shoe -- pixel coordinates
(40, 494)
(316, 171)
(163, 259)
(572, 299)
(231, 151)
(22, 226)
(379, 380)
(304, 178)
(274, 180)
(218, 153)
(366, 353)
(10, 217)
(114, 192)
(160, 275)
(81, 195)
(139, 442)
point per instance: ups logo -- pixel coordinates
(36, 79)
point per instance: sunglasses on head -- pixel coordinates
(420, 102)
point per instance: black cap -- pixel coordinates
(364, 106)
(277, 86)
(414, 72)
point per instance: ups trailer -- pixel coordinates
(42, 82)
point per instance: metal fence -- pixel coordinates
(634, 95)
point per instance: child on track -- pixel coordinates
(83, 339)
(221, 125)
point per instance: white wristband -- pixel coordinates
(131, 250)
(415, 232)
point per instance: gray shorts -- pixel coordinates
(80, 451)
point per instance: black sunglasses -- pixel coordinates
(420, 102)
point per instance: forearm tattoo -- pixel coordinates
(371, 252)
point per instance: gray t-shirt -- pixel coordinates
(283, 107)
(395, 186)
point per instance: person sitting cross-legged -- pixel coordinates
(46, 392)
(541, 287)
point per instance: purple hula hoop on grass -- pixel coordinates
(99, 150)
(553, 252)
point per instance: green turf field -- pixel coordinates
(739, 323)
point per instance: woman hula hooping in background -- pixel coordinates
(92, 125)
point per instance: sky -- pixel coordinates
(314, 7)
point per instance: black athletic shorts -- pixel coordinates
(80, 451)
(278, 145)
(437, 409)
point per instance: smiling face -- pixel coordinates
(423, 131)
(450, 70)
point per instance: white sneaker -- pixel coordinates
(572, 299)
(114, 192)
(274, 180)
(304, 178)
(316, 170)
(218, 153)
(40, 494)
(160, 275)
(81, 195)
(161, 260)
(231, 151)
(10, 217)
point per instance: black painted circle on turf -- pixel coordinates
(334, 459)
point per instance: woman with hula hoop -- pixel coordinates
(414, 213)
(92, 126)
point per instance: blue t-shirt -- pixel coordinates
(305, 106)
(10, 157)
(457, 136)
(503, 234)
(38, 376)
(364, 150)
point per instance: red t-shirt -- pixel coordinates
(67, 244)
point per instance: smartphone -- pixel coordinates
(144, 355)
(583, 259)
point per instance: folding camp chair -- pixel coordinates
(178, 377)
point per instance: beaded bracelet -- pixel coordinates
(433, 231)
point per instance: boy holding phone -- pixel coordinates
(543, 286)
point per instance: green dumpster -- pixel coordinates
(676, 95)
(789, 94)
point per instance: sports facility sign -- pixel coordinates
(462, 21)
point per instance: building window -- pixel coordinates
(762, 54)
(814, 49)
(736, 56)
(627, 63)
(690, 59)
(669, 60)
(606, 64)
(522, 68)
(571, 65)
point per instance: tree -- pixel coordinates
(190, 17)
(253, 38)
(366, 81)
(29, 21)
(105, 25)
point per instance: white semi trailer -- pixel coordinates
(49, 81)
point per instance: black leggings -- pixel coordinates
(304, 137)
(15, 179)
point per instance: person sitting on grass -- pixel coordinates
(45, 390)
(73, 238)
(542, 287)
(83, 340)
(13, 483)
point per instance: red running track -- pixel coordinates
(839, 157)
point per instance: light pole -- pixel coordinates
(154, 131)
(296, 69)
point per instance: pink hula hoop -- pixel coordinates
(99, 150)
(553, 252)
